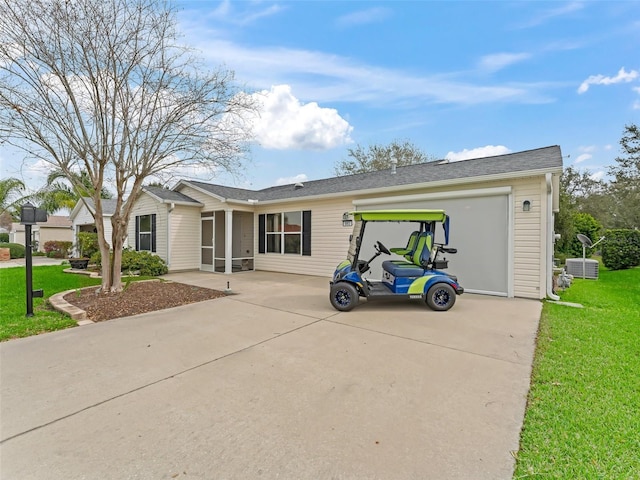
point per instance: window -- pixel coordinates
(285, 233)
(146, 233)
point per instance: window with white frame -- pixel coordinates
(146, 233)
(285, 233)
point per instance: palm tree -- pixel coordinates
(62, 192)
(11, 196)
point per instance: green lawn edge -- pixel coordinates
(51, 279)
(582, 419)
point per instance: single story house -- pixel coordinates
(501, 208)
(82, 217)
(57, 227)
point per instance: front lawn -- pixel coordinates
(13, 320)
(582, 418)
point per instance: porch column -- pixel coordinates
(228, 246)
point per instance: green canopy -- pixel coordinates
(404, 215)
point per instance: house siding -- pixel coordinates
(184, 238)
(146, 205)
(84, 217)
(329, 239)
(53, 234)
(529, 238)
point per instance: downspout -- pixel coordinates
(550, 237)
(171, 207)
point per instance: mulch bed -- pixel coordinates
(138, 297)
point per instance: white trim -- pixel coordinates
(228, 246)
(511, 245)
(479, 192)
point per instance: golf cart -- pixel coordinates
(415, 275)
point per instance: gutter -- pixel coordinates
(549, 239)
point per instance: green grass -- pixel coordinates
(13, 299)
(583, 414)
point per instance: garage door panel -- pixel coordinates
(478, 229)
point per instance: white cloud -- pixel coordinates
(588, 148)
(622, 77)
(498, 61)
(326, 77)
(479, 152)
(300, 178)
(583, 157)
(597, 175)
(251, 12)
(547, 15)
(363, 17)
(286, 123)
(608, 147)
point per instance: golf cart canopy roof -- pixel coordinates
(405, 215)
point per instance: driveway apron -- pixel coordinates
(272, 382)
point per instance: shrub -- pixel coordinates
(15, 249)
(57, 248)
(4, 237)
(586, 225)
(621, 249)
(145, 263)
(87, 244)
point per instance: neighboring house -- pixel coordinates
(57, 227)
(82, 217)
(501, 210)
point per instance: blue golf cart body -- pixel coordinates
(416, 273)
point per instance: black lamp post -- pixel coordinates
(30, 215)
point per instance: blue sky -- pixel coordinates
(457, 79)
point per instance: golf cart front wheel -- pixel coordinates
(441, 297)
(343, 296)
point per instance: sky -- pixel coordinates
(456, 79)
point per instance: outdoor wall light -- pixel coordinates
(346, 220)
(526, 206)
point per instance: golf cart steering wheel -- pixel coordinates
(382, 248)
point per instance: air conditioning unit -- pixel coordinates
(582, 268)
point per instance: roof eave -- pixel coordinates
(411, 186)
(199, 189)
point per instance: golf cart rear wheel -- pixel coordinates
(343, 296)
(441, 297)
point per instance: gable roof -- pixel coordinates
(108, 206)
(519, 164)
(170, 196)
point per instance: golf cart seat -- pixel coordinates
(419, 259)
(407, 251)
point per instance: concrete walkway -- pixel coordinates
(272, 383)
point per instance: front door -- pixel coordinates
(206, 242)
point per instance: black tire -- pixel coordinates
(343, 296)
(441, 297)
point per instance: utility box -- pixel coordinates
(580, 268)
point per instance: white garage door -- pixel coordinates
(479, 229)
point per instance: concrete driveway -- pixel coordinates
(272, 382)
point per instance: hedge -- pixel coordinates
(621, 249)
(15, 249)
(57, 248)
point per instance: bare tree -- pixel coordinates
(104, 86)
